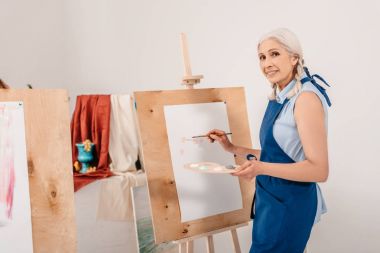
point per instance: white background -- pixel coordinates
(119, 46)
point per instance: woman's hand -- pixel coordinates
(249, 170)
(221, 137)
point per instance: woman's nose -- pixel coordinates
(267, 63)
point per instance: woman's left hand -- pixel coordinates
(249, 170)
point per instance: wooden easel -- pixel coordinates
(188, 79)
(186, 245)
(47, 126)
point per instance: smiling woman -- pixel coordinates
(293, 155)
(276, 63)
(280, 62)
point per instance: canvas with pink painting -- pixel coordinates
(15, 213)
(7, 173)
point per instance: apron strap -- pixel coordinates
(310, 78)
(253, 213)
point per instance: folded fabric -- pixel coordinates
(115, 201)
(91, 120)
(123, 144)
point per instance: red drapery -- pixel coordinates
(91, 120)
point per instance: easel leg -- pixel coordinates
(190, 246)
(210, 244)
(182, 247)
(235, 240)
(186, 245)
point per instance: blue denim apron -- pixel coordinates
(283, 210)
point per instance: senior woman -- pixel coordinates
(293, 155)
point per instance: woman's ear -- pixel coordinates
(294, 60)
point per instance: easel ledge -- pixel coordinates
(187, 245)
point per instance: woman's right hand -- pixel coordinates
(221, 137)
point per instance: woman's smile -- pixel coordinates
(271, 73)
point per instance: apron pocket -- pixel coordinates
(270, 215)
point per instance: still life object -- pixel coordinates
(85, 157)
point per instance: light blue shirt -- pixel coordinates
(286, 134)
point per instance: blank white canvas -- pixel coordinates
(200, 195)
(16, 232)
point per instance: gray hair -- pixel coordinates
(291, 44)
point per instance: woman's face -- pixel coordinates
(276, 63)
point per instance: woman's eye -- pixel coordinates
(275, 53)
(262, 57)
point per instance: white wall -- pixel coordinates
(32, 43)
(95, 46)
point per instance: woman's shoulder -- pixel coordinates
(309, 86)
(310, 94)
(308, 91)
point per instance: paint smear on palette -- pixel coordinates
(209, 167)
(7, 170)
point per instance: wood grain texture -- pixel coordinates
(158, 166)
(47, 125)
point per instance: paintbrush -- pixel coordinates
(199, 136)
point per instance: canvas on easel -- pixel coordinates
(200, 194)
(157, 154)
(15, 214)
(144, 225)
(49, 171)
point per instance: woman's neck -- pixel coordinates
(283, 83)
